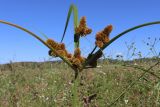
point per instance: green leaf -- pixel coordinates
(37, 37)
(117, 37)
(127, 31)
(73, 9)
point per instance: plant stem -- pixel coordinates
(115, 38)
(140, 68)
(37, 37)
(73, 9)
(93, 50)
(132, 83)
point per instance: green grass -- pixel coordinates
(49, 85)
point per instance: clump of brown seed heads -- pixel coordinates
(59, 48)
(82, 29)
(76, 59)
(102, 37)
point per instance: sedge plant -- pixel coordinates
(75, 60)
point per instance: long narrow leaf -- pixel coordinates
(127, 31)
(133, 83)
(73, 9)
(37, 37)
(116, 37)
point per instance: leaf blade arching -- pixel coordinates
(73, 9)
(127, 31)
(118, 36)
(37, 37)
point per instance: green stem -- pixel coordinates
(132, 84)
(140, 68)
(116, 37)
(73, 9)
(93, 50)
(37, 37)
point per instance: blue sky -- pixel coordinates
(49, 16)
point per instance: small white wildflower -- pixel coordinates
(64, 98)
(42, 96)
(102, 72)
(55, 100)
(107, 91)
(47, 98)
(126, 101)
(99, 66)
(135, 63)
(70, 83)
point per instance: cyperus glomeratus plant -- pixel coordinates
(75, 60)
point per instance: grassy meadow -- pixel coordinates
(49, 84)
(114, 83)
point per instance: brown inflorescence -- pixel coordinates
(77, 59)
(59, 48)
(51, 43)
(102, 37)
(99, 43)
(77, 52)
(107, 30)
(82, 29)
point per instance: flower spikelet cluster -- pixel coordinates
(77, 59)
(58, 47)
(102, 37)
(82, 29)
